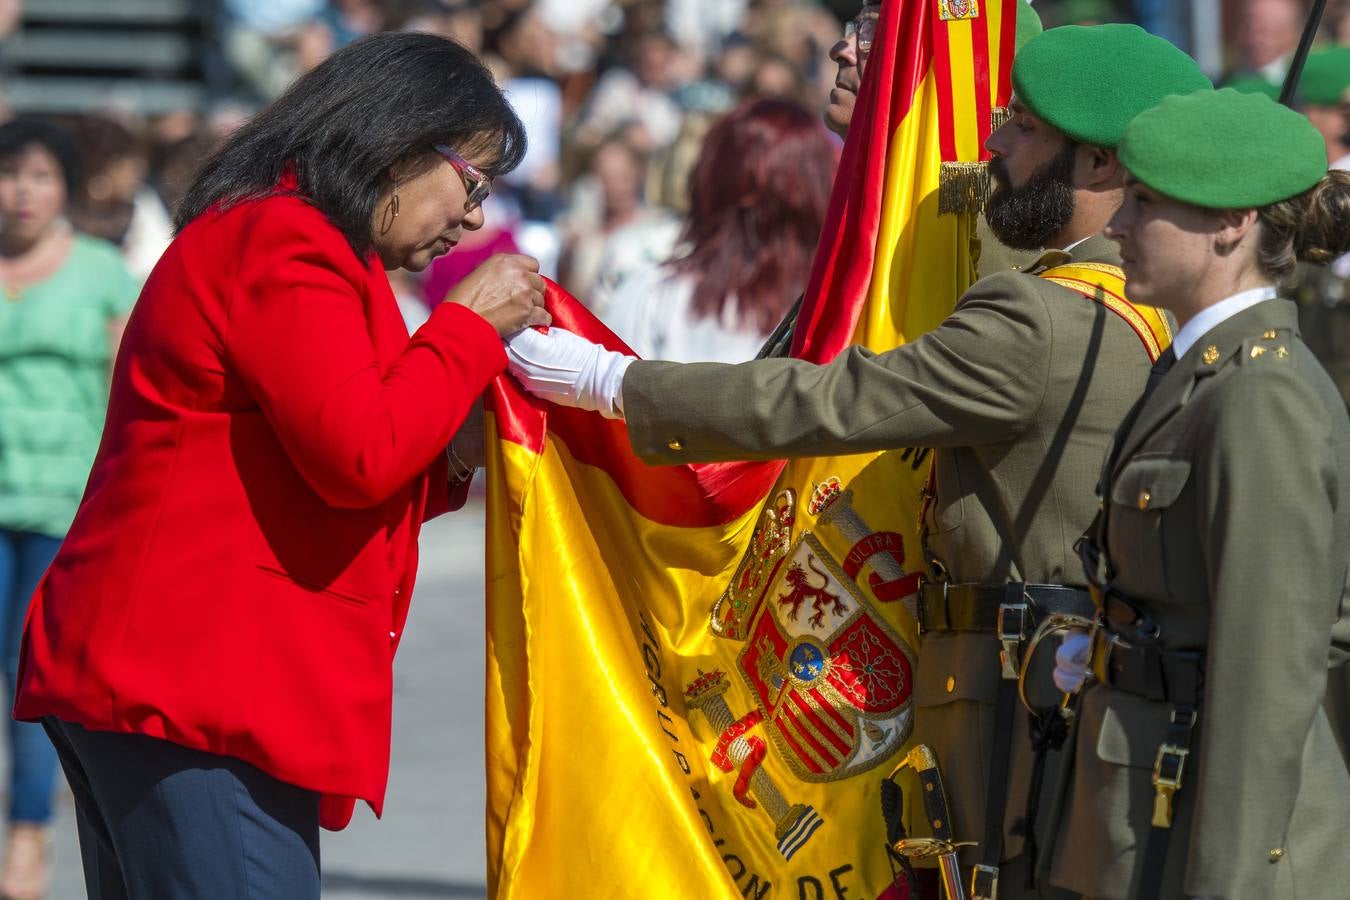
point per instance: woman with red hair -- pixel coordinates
(758, 196)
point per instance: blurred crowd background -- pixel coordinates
(617, 95)
(678, 173)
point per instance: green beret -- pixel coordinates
(1255, 84)
(1028, 23)
(1224, 150)
(1089, 81)
(1325, 77)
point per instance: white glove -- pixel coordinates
(568, 370)
(1071, 660)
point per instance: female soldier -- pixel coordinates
(1206, 764)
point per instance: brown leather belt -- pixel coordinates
(978, 607)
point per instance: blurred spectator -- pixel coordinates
(522, 52)
(115, 202)
(776, 76)
(704, 26)
(459, 20)
(337, 25)
(640, 92)
(176, 162)
(850, 59)
(10, 13)
(1337, 24)
(261, 40)
(758, 199)
(616, 173)
(800, 32)
(1322, 96)
(66, 297)
(1081, 12)
(738, 63)
(1268, 34)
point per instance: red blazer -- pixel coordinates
(238, 574)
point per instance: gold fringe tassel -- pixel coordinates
(963, 187)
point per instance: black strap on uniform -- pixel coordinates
(1183, 692)
(1049, 730)
(984, 885)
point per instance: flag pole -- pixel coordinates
(1301, 54)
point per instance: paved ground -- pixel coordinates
(430, 843)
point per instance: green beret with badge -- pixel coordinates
(1224, 150)
(1089, 81)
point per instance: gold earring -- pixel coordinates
(393, 205)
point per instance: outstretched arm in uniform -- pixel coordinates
(979, 377)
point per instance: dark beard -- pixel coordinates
(1025, 218)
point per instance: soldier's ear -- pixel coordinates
(1103, 169)
(1234, 226)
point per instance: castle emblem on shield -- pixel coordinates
(830, 678)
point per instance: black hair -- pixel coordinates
(19, 134)
(381, 101)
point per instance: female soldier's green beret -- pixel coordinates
(1089, 81)
(1224, 150)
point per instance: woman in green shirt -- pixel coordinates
(63, 299)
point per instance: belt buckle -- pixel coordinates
(1167, 771)
(921, 607)
(984, 883)
(1011, 616)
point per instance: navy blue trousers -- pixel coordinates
(159, 821)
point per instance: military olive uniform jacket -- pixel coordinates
(1229, 522)
(1019, 391)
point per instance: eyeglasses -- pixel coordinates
(865, 27)
(476, 183)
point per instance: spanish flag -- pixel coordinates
(699, 675)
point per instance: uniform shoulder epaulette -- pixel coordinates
(1046, 261)
(1273, 346)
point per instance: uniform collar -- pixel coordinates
(1095, 248)
(1213, 316)
(1256, 334)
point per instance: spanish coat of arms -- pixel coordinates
(830, 678)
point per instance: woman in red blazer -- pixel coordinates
(211, 650)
